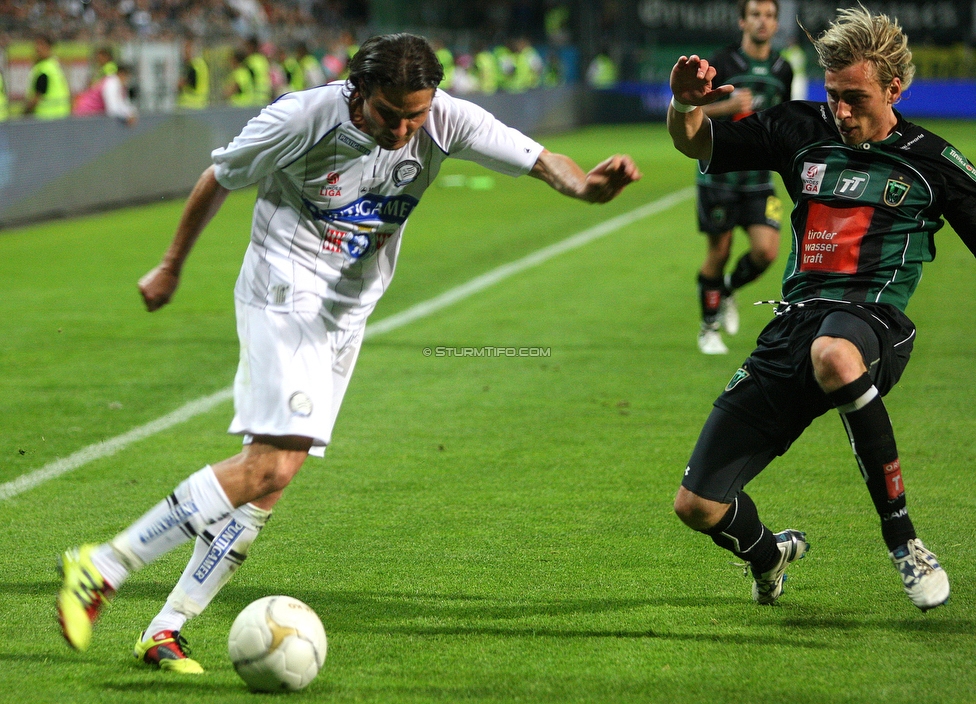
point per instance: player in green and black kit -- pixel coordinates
(870, 190)
(761, 78)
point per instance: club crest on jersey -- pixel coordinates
(406, 172)
(740, 375)
(895, 192)
(300, 404)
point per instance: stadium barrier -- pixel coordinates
(78, 165)
(82, 164)
(85, 164)
(641, 102)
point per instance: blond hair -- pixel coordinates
(857, 35)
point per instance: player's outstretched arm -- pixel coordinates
(602, 184)
(691, 85)
(158, 286)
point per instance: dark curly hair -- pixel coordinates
(401, 61)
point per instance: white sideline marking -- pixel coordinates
(109, 447)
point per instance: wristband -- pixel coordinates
(681, 107)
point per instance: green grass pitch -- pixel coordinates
(483, 529)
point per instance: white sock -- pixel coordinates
(218, 552)
(197, 502)
(106, 562)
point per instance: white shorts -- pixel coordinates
(293, 372)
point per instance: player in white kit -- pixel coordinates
(339, 169)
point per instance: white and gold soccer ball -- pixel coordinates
(276, 644)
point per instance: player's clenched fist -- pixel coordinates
(157, 287)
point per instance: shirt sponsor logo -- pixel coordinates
(895, 192)
(180, 514)
(959, 160)
(812, 177)
(354, 245)
(851, 184)
(406, 172)
(218, 548)
(332, 241)
(832, 238)
(370, 210)
(362, 149)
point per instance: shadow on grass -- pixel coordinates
(569, 633)
(68, 658)
(181, 687)
(920, 625)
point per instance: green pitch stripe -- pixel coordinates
(109, 447)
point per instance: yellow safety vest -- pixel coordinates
(56, 101)
(487, 68)
(197, 97)
(241, 78)
(294, 73)
(4, 112)
(310, 66)
(446, 58)
(260, 69)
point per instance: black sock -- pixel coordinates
(869, 429)
(745, 271)
(710, 293)
(742, 533)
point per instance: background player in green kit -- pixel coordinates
(870, 190)
(761, 78)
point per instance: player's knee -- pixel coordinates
(836, 361)
(271, 474)
(765, 256)
(688, 507)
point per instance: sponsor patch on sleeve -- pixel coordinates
(956, 157)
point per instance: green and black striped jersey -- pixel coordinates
(864, 218)
(770, 82)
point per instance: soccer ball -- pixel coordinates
(277, 643)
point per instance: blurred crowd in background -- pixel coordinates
(93, 57)
(119, 57)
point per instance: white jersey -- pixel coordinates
(332, 204)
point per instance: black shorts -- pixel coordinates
(722, 209)
(773, 397)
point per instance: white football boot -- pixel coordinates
(925, 582)
(768, 586)
(729, 314)
(710, 340)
